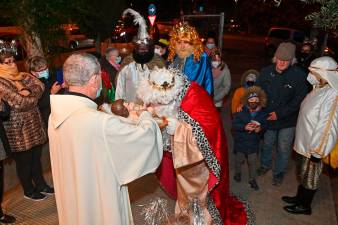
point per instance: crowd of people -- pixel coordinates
(170, 94)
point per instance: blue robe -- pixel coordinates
(199, 71)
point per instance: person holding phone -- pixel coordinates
(38, 67)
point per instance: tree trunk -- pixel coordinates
(32, 40)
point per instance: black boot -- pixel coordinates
(294, 199)
(304, 206)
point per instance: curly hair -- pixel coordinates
(181, 31)
(257, 90)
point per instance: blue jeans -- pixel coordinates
(284, 138)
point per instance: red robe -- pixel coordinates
(199, 106)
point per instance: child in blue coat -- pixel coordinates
(247, 128)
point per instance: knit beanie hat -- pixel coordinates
(285, 51)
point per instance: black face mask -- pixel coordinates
(303, 56)
(250, 83)
(253, 105)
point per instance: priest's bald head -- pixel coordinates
(82, 74)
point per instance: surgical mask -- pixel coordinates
(157, 51)
(44, 74)
(215, 64)
(312, 79)
(210, 46)
(98, 92)
(118, 60)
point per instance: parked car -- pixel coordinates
(276, 35)
(74, 38)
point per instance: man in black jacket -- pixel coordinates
(286, 87)
(5, 151)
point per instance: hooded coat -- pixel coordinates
(239, 92)
(93, 156)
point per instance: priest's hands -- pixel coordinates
(105, 107)
(172, 125)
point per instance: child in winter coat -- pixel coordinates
(248, 126)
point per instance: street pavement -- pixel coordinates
(265, 203)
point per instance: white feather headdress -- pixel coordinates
(142, 34)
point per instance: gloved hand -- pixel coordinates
(314, 159)
(172, 125)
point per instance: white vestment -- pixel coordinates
(128, 80)
(317, 125)
(93, 156)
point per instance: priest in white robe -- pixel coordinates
(94, 154)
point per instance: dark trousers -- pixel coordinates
(1, 186)
(251, 159)
(29, 169)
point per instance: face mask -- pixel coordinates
(253, 105)
(157, 51)
(312, 79)
(118, 60)
(215, 64)
(250, 83)
(98, 92)
(10, 68)
(210, 46)
(44, 74)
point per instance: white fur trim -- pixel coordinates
(148, 94)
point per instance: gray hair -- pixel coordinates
(109, 51)
(293, 61)
(79, 68)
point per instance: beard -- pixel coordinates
(143, 58)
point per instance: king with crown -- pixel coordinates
(195, 161)
(186, 54)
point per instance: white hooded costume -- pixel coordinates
(317, 125)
